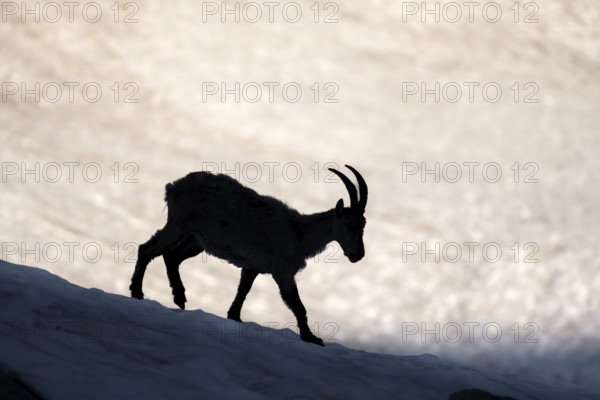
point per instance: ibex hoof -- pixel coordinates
(180, 301)
(310, 338)
(137, 294)
(234, 317)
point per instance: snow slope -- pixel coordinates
(67, 342)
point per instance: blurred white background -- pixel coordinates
(366, 60)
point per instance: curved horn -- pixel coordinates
(349, 186)
(362, 187)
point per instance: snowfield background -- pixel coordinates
(537, 319)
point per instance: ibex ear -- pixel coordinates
(339, 207)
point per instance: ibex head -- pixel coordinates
(349, 223)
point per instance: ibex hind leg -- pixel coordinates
(161, 241)
(173, 257)
(246, 280)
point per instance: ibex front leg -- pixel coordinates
(289, 294)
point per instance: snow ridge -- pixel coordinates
(66, 342)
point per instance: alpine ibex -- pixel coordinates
(259, 234)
